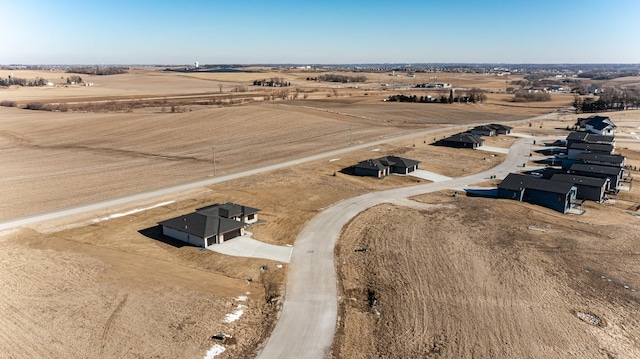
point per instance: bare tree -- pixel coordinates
(220, 87)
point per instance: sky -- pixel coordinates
(319, 32)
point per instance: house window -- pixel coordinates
(251, 217)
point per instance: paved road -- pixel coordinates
(307, 322)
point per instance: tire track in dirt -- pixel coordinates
(109, 323)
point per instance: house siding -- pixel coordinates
(182, 236)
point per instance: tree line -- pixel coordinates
(39, 81)
(338, 78)
(611, 98)
(272, 82)
(474, 95)
(98, 70)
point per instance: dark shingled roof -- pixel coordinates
(518, 182)
(599, 122)
(465, 137)
(202, 225)
(605, 170)
(371, 165)
(618, 159)
(484, 128)
(582, 180)
(497, 126)
(231, 209)
(577, 136)
(399, 161)
(591, 147)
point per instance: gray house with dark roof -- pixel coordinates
(577, 148)
(615, 174)
(210, 225)
(463, 140)
(501, 129)
(483, 130)
(586, 137)
(602, 160)
(590, 188)
(559, 196)
(384, 166)
(372, 167)
(400, 165)
(234, 211)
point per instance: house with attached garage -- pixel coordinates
(400, 165)
(210, 225)
(586, 137)
(602, 160)
(462, 140)
(501, 129)
(483, 130)
(576, 149)
(384, 166)
(590, 188)
(615, 174)
(559, 196)
(371, 167)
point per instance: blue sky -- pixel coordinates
(327, 32)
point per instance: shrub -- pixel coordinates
(8, 103)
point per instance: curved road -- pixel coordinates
(306, 325)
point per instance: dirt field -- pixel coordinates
(467, 278)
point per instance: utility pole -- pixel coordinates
(213, 150)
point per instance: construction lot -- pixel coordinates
(116, 288)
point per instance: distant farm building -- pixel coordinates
(559, 196)
(210, 225)
(384, 166)
(462, 140)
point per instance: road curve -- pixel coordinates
(306, 325)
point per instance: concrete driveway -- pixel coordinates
(429, 176)
(245, 246)
(493, 149)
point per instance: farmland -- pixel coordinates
(113, 288)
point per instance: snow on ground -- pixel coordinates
(242, 298)
(232, 317)
(215, 350)
(117, 215)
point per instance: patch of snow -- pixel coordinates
(232, 317)
(242, 298)
(375, 150)
(215, 350)
(334, 159)
(117, 215)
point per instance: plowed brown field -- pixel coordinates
(482, 278)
